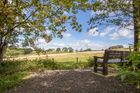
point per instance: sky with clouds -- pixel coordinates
(96, 38)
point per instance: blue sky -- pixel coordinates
(100, 37)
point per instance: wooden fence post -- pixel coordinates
(52, 59)
(77, 59)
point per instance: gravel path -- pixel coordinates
(71, 81)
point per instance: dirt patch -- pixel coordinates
(71, 81)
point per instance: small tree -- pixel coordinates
(65, 49)
(50, 50)
(38, 51)
(58, 49)
(81, 50)
(70, 49)
(88, 49)
(28, 50)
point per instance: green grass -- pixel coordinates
(11, 80)
(12, 72)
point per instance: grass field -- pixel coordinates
(14, 69)
(61, 57)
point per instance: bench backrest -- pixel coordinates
(113, 54)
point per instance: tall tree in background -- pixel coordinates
(65, 49)
(28, 20)
(70, 49)
(121, 13)
(58, 49)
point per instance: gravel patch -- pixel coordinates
(71, 81)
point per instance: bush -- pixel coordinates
(14, 52)
(48, 64)
(90, 61)
(28, 51)
(130, 73)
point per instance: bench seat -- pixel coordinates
(112, 61)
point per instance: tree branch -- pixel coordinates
(9, 31)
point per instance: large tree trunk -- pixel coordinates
(2, 52)
(3, 47)
(136, 5)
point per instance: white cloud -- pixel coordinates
(76, 44)
(85, 41)
(106, 31)
(84, 44)
(122, 33)
(41, 40)
(49, 32)
(118, 33)
(126, 33)
(58, 45)
(130, 27)
(101, 12)
(115, 36)
(67, 35)
(93, 32)
(65, 13)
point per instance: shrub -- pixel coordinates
(130, 73)
(28, 51)
(90, 61)
(48, 64)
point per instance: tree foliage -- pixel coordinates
(70, 49)
(28, 51)
(35, 18)
(65, 49)
(121, 13)
(131, 73)
(116, 12)
(32, 19)
(58, 49)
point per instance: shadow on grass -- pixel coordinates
(71, 81)
(12, 71)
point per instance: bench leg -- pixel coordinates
(95, 65)
(105, 68)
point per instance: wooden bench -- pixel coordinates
(110, 56)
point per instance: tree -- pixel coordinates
(27, 50)
(136, 20)
(121, 13)
(50, 50)
(81, 50)
(70, 49)
(65, 49)
(58, 49)
(88, 49)
(33, 19)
